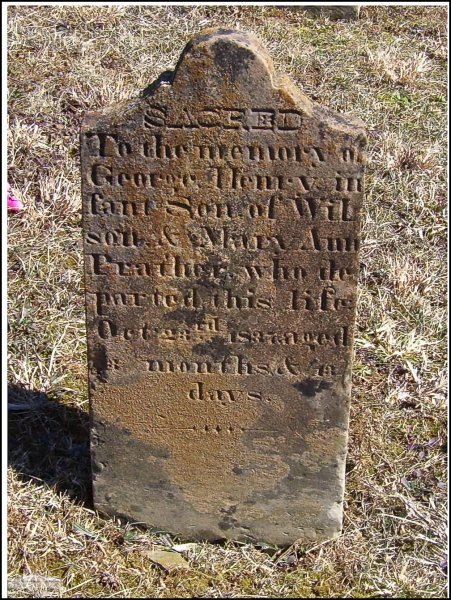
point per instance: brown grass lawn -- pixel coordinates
(389, 69)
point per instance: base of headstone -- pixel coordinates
(344, 13)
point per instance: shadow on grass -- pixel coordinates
(49, 441)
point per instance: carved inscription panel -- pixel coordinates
(221, 215)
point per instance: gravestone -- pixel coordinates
(343, 12)
(221, 214)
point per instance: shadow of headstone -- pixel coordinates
(49, 441)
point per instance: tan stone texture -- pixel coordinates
(340, 12)
(221, 212)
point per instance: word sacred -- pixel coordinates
(224, 118)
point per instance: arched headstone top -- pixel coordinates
(227, 69)
(224, 58)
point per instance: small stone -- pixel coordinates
(35, 586)
(167, 560)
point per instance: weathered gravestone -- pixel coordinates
(346, 12)
(221, 216)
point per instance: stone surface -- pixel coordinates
(221, 213)
(34, 586)
(167, 560)
(347, 13)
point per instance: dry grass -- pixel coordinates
(389, 68)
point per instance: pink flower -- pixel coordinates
(14, 204)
